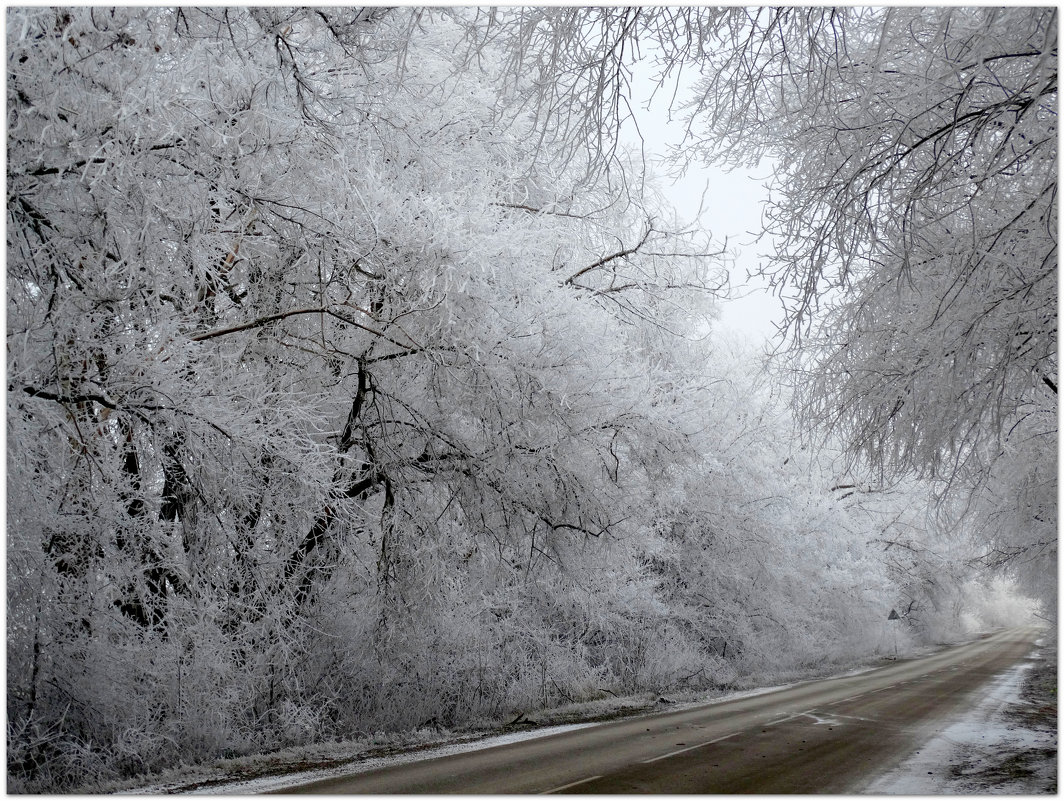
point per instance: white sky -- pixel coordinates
(731, 208)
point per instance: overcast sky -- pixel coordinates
(731, 207)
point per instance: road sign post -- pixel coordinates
(894, 616)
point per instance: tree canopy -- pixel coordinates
(915, 217)
(355, 380)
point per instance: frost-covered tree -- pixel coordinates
(346, 390)
(915, 216)
(305, 349)
(913, 210)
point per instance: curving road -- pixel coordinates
(826, 736)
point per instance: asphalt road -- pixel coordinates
(827, 736)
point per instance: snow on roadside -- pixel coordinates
(273, 783)
(202, 782)
(268, 784)
(345, 759)
(981, 735)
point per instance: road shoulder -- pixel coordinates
(1005, 744)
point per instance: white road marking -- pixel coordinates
(570, 784)
(819, 721)
(784, 720)
(689, 748)
(829, 720)
(844, 700)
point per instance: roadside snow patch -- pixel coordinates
(268, 784)
(974, 744)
